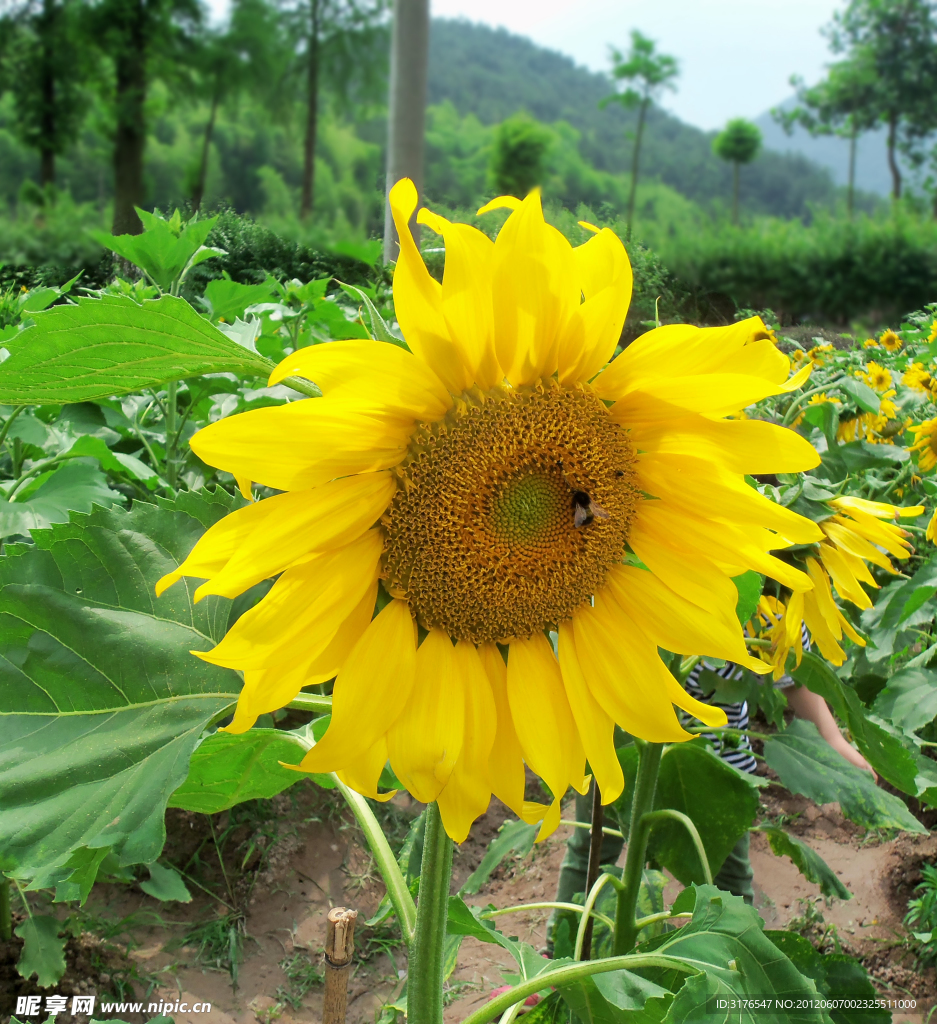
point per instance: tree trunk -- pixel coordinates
(409, 59)
(735, 192)
(892, 161)
(130, 135)
(635, 158)
(312, 113)
(199, 192)
(47, 72)
(851, 186)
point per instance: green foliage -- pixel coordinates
(807, 861)
(89, 651)
(165, 884)
(226, 770)
(738, 142)
(922, 914)
(720, 802)
(108, 346)
(519, 155)
(807, 764)
(514, 837)
(909, 699)
(43, 950)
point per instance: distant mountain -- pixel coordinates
(492, 73)
(831, 152)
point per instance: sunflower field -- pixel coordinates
(479, 548)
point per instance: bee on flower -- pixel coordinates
(890, 341)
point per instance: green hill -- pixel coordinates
(492, 74)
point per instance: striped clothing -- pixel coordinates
(740, 756)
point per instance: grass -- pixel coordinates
(301, 975)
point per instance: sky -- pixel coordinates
(736, 56)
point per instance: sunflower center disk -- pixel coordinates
(510, 512)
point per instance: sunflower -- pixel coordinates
(870, 343)
(529, 523)
(890, 341)
(925, 444)
(853, 535)
(877, 377)
(931, 533)
(817, 355)
(932, 335)
(917, 378)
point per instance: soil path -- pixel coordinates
(323, 864)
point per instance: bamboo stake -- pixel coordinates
(339, 948)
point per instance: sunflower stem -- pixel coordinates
(428, 952)
(642, 803)
(6, 913)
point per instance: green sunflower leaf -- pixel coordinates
(165, 884)
(807, 764)
(98, 693)
(909, 699)
(43, 950)
(807, 861)
(111, 346)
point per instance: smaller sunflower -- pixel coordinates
(877, 377)
(870, 343)
(817, 355)
(925, 444)
(933, 332)
(854, 535)
(917, 378)
(932, 525)
(890, 341)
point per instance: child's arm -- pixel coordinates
(811, 706)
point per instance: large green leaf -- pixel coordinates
(101, 704)
(719, 801)
(884, 752)
(228, 299)
(807, 861)
(73, 487)
(726, 939)
(226, 770)
(807, 764)
(836, 977)
(43, 950)
(166, 248)
(909, 699)
(111, 346)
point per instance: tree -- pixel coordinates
(518, 157)
(140, 38)
(897, 41)
(253, 52)
(406, 121)
(46, 67)
(738, 143)
(843, 104)
(649, 73)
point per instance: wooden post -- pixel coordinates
(339, 947)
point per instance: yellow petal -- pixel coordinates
(847, 586)
(740, 446)
(363, 775)
(689, 483)
(466, 296)
(879, 509)
(269, 689)
(426, 739)
(542, 716)
(499, 203)
(695, 350)
(386, 375)
(820, 632)
(625, 675)
(506, 761)
(468, 792)
(370, 692)
(595, 726)
(303, 610)
(303, 444)
(418, 299)
(674, 623)
(534, 292)
(295, 524)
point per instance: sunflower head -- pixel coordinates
(890, 341)
(877, 377)
(487, 537)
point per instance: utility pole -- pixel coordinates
(409, 62)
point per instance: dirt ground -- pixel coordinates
(312, 858)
